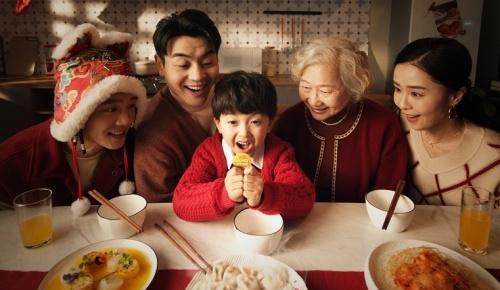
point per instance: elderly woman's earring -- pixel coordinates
(452, 113)
(132, 125)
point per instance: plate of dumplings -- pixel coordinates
(248, 272)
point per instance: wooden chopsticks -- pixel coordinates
(205, 267)
(394, 201)
(102, 200)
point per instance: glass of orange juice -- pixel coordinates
(475, 219)
(34, 215)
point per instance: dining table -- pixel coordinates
(328, 248)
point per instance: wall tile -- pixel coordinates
(241, 23)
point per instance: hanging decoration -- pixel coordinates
(447, 19)
(21, 6)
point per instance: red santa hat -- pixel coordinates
(90, 68)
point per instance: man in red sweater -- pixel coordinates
(244, 105)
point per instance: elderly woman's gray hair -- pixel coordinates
(341, 55)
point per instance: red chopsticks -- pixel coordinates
(102, 200)
(394, 201)
(206, 267)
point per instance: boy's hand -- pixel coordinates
(234, 184)
(252, 186)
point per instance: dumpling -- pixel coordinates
(246, 282)
(128, 267)
(275, 279)
(113, 258)
(93, 261)
(229, 277)
(74, 279)
(110, 282)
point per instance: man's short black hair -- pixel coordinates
(244, 92)
(190, 22)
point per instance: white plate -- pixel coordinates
(379, 256)
(259, 263)
(121, 243)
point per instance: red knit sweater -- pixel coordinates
(201, 194)
(372, 154)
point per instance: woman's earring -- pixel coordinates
(82, 142)
(452, 113)
(132, 125)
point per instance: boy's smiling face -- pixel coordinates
(244, 132)
(107, 127)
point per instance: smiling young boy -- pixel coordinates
(244, 105)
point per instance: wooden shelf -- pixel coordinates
(48, 82)
(282, 80)
(35, 81)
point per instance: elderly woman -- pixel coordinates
(346, 144)
(448, 151)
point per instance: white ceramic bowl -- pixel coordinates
(133, 205)
(145, 68)
(256, 232)
(377, 204)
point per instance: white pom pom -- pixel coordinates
(126, 187)
(80, 206)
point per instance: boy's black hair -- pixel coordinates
(244, 92)
(190, 22)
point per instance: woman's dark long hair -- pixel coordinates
(448, 63)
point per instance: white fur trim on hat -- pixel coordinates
(93, 97)
(70, 38)
(80, 206)
(126, 187)
(112, 38)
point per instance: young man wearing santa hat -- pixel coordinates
(180, 119)
(84, 146)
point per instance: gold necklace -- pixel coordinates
(339, 121)
(455, 135)
(443, 146)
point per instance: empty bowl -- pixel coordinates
(133, 205)
(145, 68)
(377, 204)
(256, 232)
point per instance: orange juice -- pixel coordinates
(474, 228)
(36, 230)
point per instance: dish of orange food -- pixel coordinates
(109, 265)
(413, 264)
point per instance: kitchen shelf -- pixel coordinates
(282, 80)
(48, 82)
(35, 81)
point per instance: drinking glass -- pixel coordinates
(49, 65)
(475, 219)
(34, 216)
